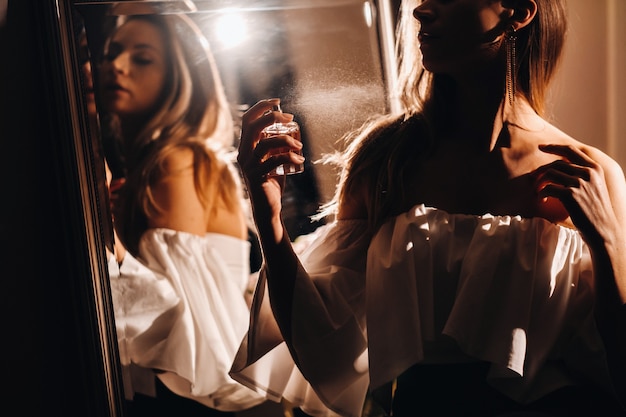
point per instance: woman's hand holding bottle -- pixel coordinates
(260, 155)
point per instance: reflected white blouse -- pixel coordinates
(429, 287)
(182, 311)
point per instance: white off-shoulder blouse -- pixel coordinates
(182, 312)
(429, 287)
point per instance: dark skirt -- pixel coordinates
(461, 390)
(168, 404)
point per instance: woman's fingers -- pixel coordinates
(573, 171)
(259, 108)
(252, 124)
(257, 155)
(258, 117)
(572, 154)
(270, 153)
(563, 173)
(579, 183)
(276, 145)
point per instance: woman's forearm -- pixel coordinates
(281, 266)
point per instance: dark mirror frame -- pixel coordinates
(60, 350)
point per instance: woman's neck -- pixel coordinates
(131, 128)
(473, 107)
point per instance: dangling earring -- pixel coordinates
(509, 43)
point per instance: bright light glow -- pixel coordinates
(230, 29)
(367, 11)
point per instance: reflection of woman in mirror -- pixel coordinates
(477, 263)
(180, 212)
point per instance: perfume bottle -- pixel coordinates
(292, 129)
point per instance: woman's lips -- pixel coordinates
(115, 87)
(425, 37)
(114, 90)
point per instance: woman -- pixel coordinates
(180, 212)
(476, 262)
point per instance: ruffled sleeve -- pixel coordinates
(193, 341)
(145, 308)
(328, 330)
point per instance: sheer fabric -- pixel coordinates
(429, 287)
(182, 311)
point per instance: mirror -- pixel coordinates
(329, 61)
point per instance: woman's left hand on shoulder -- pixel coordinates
(592, 191)
(592, 188)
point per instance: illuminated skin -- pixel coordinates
(134, 70)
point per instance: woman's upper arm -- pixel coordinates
(616, 183)
(176, 196)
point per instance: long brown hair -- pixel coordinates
(380, 153)
(193, 113)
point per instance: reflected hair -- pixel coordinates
(192, 113)
(380, 153)
(193, 102)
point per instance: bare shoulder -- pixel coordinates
(613, 172)
(177, 160)
(183, 162)
(174, 193)
(608, 164)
